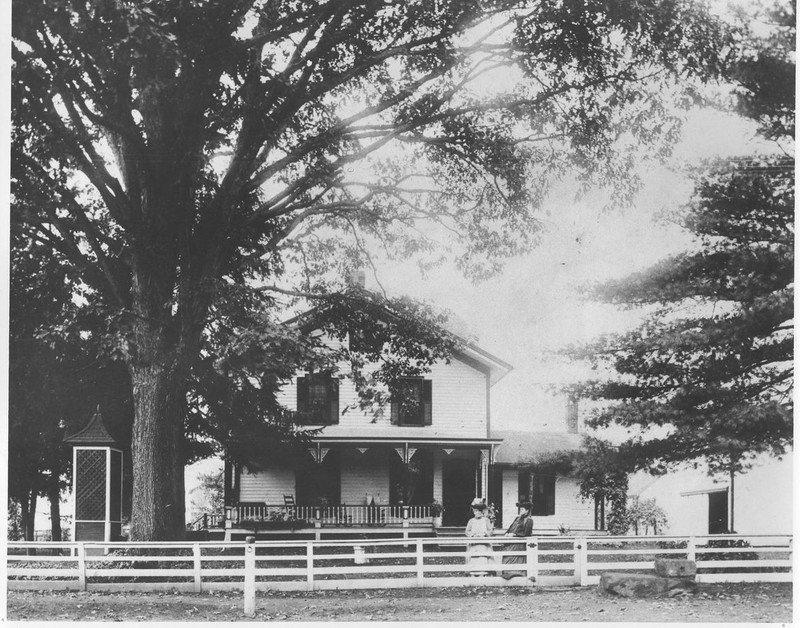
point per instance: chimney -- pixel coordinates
(572, 413)
(357, 279)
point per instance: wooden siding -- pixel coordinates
(267, 486)
(570, 511)
(364, 476)
(460, 406)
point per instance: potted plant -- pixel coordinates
(436, 512)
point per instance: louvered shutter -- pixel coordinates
(302, 396)
(427, 399)
(394, 406)
(333, 400)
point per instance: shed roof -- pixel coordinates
(95, 433)
(523, 447)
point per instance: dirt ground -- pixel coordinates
(717, 603)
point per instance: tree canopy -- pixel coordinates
(709, 374)
(195, 161)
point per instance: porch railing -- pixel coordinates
(338, 515)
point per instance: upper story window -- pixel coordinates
(412, 399)
(540, 490)
(318, 399)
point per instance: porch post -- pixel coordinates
(484, 475)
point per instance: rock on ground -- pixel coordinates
(642, 585)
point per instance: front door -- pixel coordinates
(718, 512)
(458, 490)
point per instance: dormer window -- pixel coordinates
(318, 399)
(412, 401)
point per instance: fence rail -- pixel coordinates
(396, 563)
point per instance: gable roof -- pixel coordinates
(95, 433)
(520, 448)
(469, 353)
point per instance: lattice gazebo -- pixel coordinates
(96, 483)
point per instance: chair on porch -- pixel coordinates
(288, 505)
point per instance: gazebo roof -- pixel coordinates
(95, 433)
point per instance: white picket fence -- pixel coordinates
(396, 563)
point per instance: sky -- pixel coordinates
(534, 308)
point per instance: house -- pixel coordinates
(697, 503)
(521, 469)
(364, 471)
(431, 443)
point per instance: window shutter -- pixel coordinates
(302, 395)
(394, 405)
(427, 400)
(333, 400)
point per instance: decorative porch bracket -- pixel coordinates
(406, 453)
(318, 453)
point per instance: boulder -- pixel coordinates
(643, 585)
(675, 568)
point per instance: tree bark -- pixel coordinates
(28, 516)
(159, 395)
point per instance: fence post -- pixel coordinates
(581, 569)
(584, 549)
(690, 549)
(420, 564)
(532, 559)
(81, 567)
(198, 579)
(310, 565)
(250, 577)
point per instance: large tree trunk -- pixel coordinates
(159, 396)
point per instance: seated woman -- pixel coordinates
(479, 526)
(522, 526)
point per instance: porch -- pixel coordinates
(356, 483)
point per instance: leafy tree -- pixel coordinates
(184, 156)
(209, 495)
(709, 375)
(55, 381)
(645, 514)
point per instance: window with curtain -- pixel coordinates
(318, 399)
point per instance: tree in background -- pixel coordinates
(209, 495)
(55, 380)
(709, 375)
(185, 155)
(644, 515)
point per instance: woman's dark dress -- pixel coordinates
(522, 526)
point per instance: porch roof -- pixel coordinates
(401, 440)
(524, 448)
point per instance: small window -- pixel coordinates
(540, 490)
(412, 402)
(318, 399)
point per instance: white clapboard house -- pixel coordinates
(370, 474)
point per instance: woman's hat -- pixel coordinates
(524, 504)
(478, 503)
